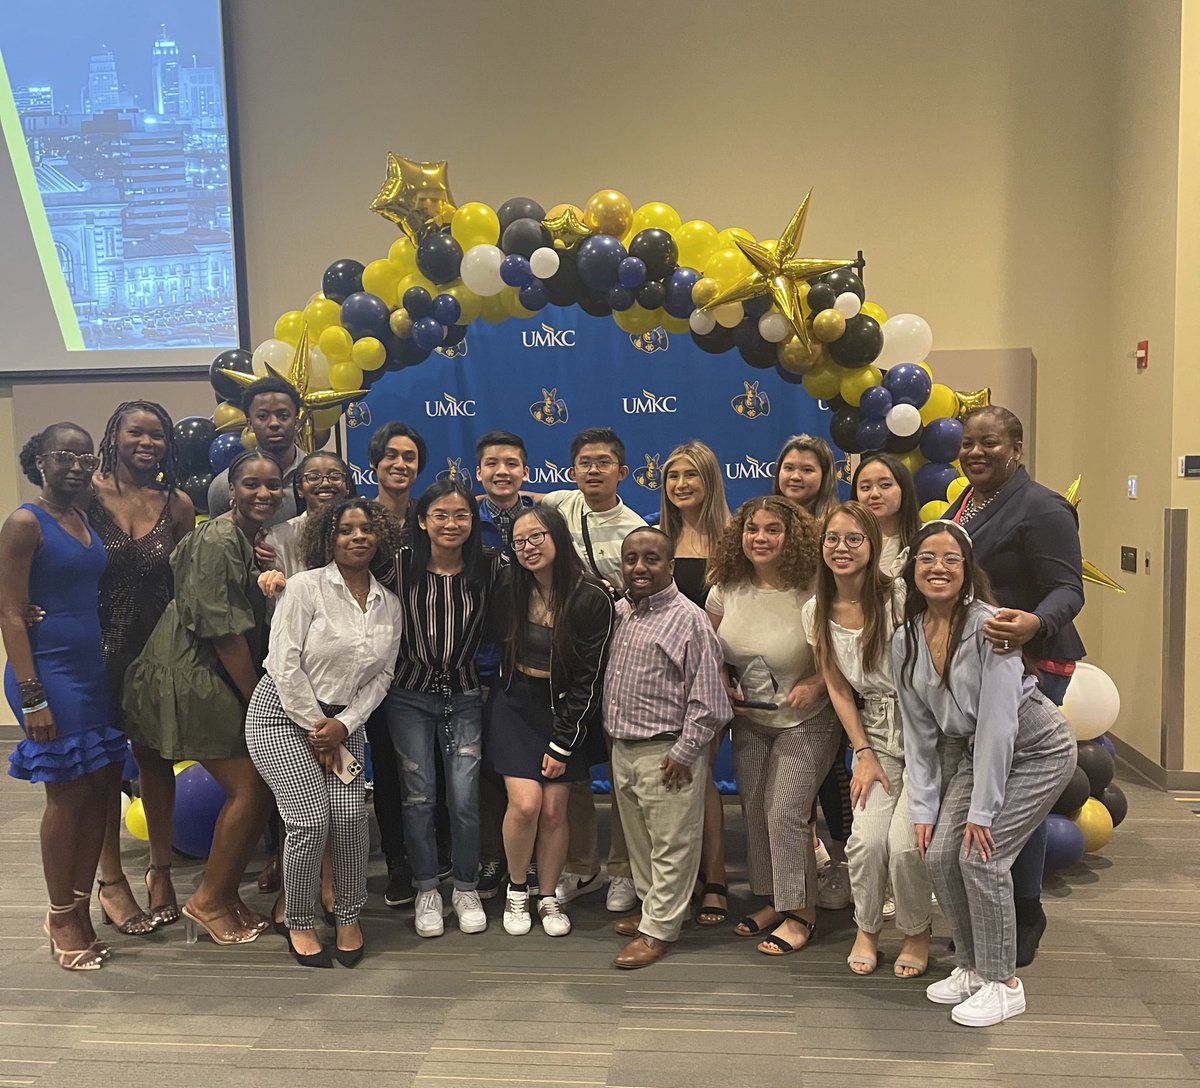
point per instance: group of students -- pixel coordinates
(493, 649)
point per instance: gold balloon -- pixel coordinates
(608, 212)
(968, 402)
(401, 324)
(249, 438)
(828, 325)
(566, 225)
(228, 417)
(797, 357)
(413, 194)
(705, 290)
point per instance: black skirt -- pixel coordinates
(518, 729)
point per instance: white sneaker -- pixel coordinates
(471, 918)
(554, 921)
(822, 852)
(889, 907)
(833, 887)
(961, 983)
(622, 897)
(992, 1003)
(571, 886)
(516, 913)
(428, 913)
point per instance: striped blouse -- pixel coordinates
(443, 623)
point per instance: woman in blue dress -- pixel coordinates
(55, 680)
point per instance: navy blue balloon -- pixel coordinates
(439, 256)
(789, 377)
(428, 333)
(515, 270)
(1105, 742)
(224, 448)
(679, 284)
(342, 279)
(597, 259)
(364, 314)
(533, 295)
(932, 480)
(941, 440)
(418, 302)
(631, 273)
(446, 309)
(620, 298)
(1064, 842)
(130, 771)
(909, 384)
(871, 434)
(875, 403)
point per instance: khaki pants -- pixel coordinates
(664, 830)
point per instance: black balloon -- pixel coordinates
(519, 207)
(657, 250)
(820, 296)
(843, 280)
(1113, 798)
(754, 350)
(651, 294)
(439, 257)
(595, 303)
(523, 236)
(1077, 791)
(717, 342)
(903, 443)
(756, 307)
(565, 287)
(236, 359)
(835, 402)
(843, 425)
(195, 487)
(342, 279)
(455, 334)
(193, 436)
(859, 344)
(1097, 764)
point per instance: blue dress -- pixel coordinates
(64, 580)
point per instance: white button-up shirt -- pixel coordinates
(325, 649)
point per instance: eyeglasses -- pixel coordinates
(315, 477)
(851, 540)
(927, 559)
(602, 463)
(461, 517)
(519, 543)
(89, 462)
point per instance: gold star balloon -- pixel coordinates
(968, 402)
(1091, 572)
(413, 194)
(297, 378)
(566, 228)
(779, 272)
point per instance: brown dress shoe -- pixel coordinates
(641, 952)
(628, 927)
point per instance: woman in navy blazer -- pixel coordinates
(1026, 539)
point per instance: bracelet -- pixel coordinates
(864, 748)
(43, 705)
(31, 692)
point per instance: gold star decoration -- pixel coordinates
(297, 378)
(1091, 572)
(567, 229)
(413, 194)
(968, 402)
(779, 272)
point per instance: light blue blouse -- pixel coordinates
(982, 702)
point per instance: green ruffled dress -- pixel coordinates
(177, 698)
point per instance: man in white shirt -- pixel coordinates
(599, 522)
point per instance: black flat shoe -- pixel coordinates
(315, 959)
(349, 957)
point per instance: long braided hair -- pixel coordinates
(169, 470)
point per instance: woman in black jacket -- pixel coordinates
(1026, 539)
(544, 729)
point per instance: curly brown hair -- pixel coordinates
(729, 564)
(320, 531)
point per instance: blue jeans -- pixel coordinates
(417, 722)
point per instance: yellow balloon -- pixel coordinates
(856, 382)
(321, 314)
(873, 309)
(697, 241)
(636, 319)
(325, 418)
(367, 354)
(673, 324)
(403, 254)
(511, 297)
(336, 344)
(183, 765)
(933, 510)
(823, 381)
(290, 326)
(912, 460)
(727, 266)
(725, 238)
(416, 280)
(656, 214)
(942, 403)
(956, 488)
(705, 290)
(135, 820)
(475, 224)
(492, 309)
(925, 367)
(828, 325)
(1096, 824)
(469, 302)
(609, 212)
(382, 278)
(228, 417)
(343, 377)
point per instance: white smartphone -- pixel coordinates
(350, 768)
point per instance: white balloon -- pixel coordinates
(773, 327)
(274, 353)
(1092, 702)
(847, 304)
(126, 801)
(907, 338)
(544, 262)
(701, 323)
(730, 315)
(903, 420)
(480, 270)
(318, 368)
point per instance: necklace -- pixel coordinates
(57, 511)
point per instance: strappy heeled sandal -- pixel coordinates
(164, 914)
(101, 947)
(140, 924)
(72, 959)
(774, 945)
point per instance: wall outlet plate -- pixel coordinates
(1129, 559)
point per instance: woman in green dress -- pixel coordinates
(186, 693)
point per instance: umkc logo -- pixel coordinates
(455, 351)
(649, 475)
(449, 406)
(752, 403)
(454, 471)
(551, 409)
(363, 477)
(358, 414)
(550, 473)
(750, 468)
(548, 337)
(648, 402)
(650, 342)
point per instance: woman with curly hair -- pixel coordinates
(785, 734)
(334, 641)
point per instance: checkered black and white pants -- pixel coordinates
(316, 806)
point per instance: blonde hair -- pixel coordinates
(823, 452)
(714, 510)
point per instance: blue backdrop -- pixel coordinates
(549, 376)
